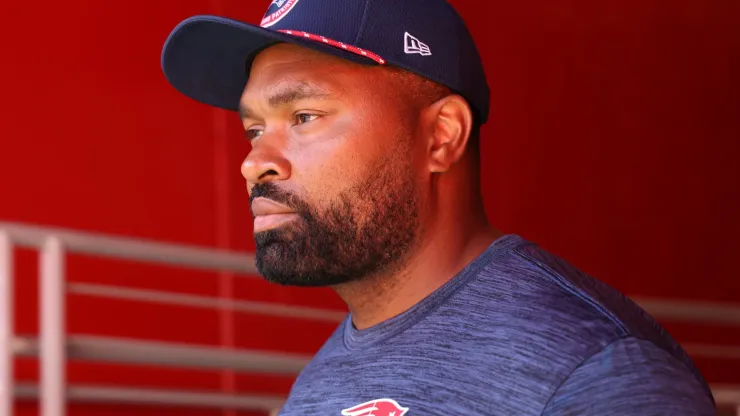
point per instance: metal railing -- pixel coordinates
(54, 346)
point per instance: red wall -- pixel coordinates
(613, 142)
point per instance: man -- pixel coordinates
(364, 120)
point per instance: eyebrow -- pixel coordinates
(287, 95)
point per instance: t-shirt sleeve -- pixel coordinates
(631, 377)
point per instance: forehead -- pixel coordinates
(284, 64)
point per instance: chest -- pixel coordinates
(421, 384)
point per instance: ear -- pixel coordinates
(450, 121)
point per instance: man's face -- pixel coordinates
(331, 173)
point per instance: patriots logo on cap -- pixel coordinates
(277, 10)
(379, 407)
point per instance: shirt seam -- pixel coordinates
(580, 364)
(572, 289)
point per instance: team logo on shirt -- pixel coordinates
(277, 10)
(379, 407)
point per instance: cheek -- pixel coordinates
(334, 156)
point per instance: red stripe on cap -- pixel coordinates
(322, 39)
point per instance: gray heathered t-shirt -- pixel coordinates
(517, 332)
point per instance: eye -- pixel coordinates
(305, 117)
(252, 134)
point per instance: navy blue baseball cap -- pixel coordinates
(208, 58)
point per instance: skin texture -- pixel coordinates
(375, 176)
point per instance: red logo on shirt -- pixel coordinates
(379, 407)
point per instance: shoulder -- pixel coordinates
(541, 300)
(631, 376)
(596, 298)
(532, 293)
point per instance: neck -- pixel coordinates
(453, 240)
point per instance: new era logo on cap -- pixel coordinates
(413, 45)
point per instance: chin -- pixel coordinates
(284, 277)
(280, 263)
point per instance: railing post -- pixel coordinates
(52, 349)
(6, 325)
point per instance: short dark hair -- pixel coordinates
(424, 92)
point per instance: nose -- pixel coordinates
(265, 164)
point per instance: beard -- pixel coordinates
(366, 230)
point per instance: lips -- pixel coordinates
(269, 214)
(263, 206)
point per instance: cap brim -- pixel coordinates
(208, 58)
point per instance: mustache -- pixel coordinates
(272, 191)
